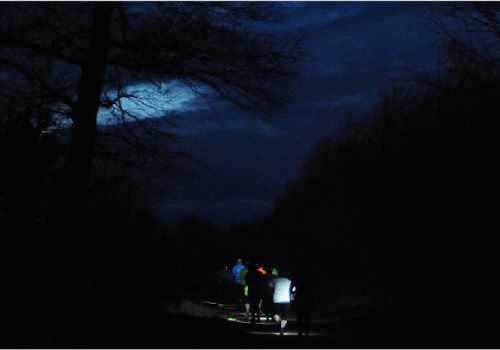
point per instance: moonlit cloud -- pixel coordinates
(148, 101)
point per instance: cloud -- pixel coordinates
(214, 119)
(301, 15)
(141, 101)
(356, 51)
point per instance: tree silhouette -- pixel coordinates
(82, 58)
(63, 66)
(401, 205)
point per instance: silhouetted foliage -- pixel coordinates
(88, 219)
(403, 204)
(72, 60)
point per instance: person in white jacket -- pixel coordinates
(281, 300)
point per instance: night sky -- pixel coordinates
(243, 162)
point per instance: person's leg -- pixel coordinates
(284, 316)
(276, 315)
(276, 312)
(300, 320)
(280, 316)
(241, 296)
(268, 308)
(259, 308)
(244, 301)
(252, 309)
(247, 309)
(307, 316)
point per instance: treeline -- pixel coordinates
(406, 203)
(398, 213)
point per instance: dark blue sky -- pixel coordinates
(356, 50)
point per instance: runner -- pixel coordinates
(281, 301)
(238, 272)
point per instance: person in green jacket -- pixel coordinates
(243, 281)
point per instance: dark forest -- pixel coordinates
(387, 228)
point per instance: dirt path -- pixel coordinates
(322, 326)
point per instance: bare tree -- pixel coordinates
(78, 59)
(470, 43)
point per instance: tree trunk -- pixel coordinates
(79, 161)
(72, 245)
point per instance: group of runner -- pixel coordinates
(263, 292)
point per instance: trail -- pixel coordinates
(321, 326)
